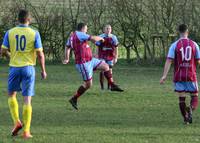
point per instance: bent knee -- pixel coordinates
(88, 84)
(106, 67)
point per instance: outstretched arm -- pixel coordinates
(96, 38)
(166, 70)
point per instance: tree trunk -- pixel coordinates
(128, 54)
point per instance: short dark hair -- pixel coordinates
(80, 26)
(23, 16)
(182, 28)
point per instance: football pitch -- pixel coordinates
(145, 113)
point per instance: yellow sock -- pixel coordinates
(14, 109)
(27, 115)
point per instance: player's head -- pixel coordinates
(183, 29)
(82, 27)
(107, 29)
(24, 17)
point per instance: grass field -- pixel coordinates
(145, 113)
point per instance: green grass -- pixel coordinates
(145, 113)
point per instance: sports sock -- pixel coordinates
(108, 76)
(14, 109)
(80, 92)
(108, 86)
(182, 106)
(101, 79)
(27, 115)
(194, 102)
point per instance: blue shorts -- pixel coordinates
(22, 79)
(86, 69)
(190, 87)
(109, 62)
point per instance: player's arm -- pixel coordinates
(41, 59)
(166, 70)
(170, 58)
(95, 39)
(197, 56)
(85, 37)
(67, 54)
(116, 43)
(40, 55)
(68, 47)
(5, 46)
(115, 55)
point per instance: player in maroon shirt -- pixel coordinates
(185, 54)
(85, 63)
(107, 51)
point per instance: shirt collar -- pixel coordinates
(22, 25)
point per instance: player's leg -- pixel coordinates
(13, 87)
(81, 90)
(181, 88)
(28, 85)
(86, 71)
(101, 79)
(14, 110)
(110, 63)
(100, 65)
(108, 85)
(193, 106)
(27, 116)
(192, 87)
(182, 106)
(194, 101)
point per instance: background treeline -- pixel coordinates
(145, 28)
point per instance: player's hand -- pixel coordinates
(71, 33)
(115, 61)
(162, 80)
(102, 40)
(43, 74)
(65, 62)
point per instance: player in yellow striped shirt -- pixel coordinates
(22, 44)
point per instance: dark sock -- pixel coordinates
(108, 86)
(108, 76)
(194, 102)
(101, 79)
(182, 106)
(80, 92)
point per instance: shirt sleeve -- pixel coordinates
(68, 43)
(115, 41)
(197, 56)
(171, 53)
(38, 42)
(83, 36)
(6, 44)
